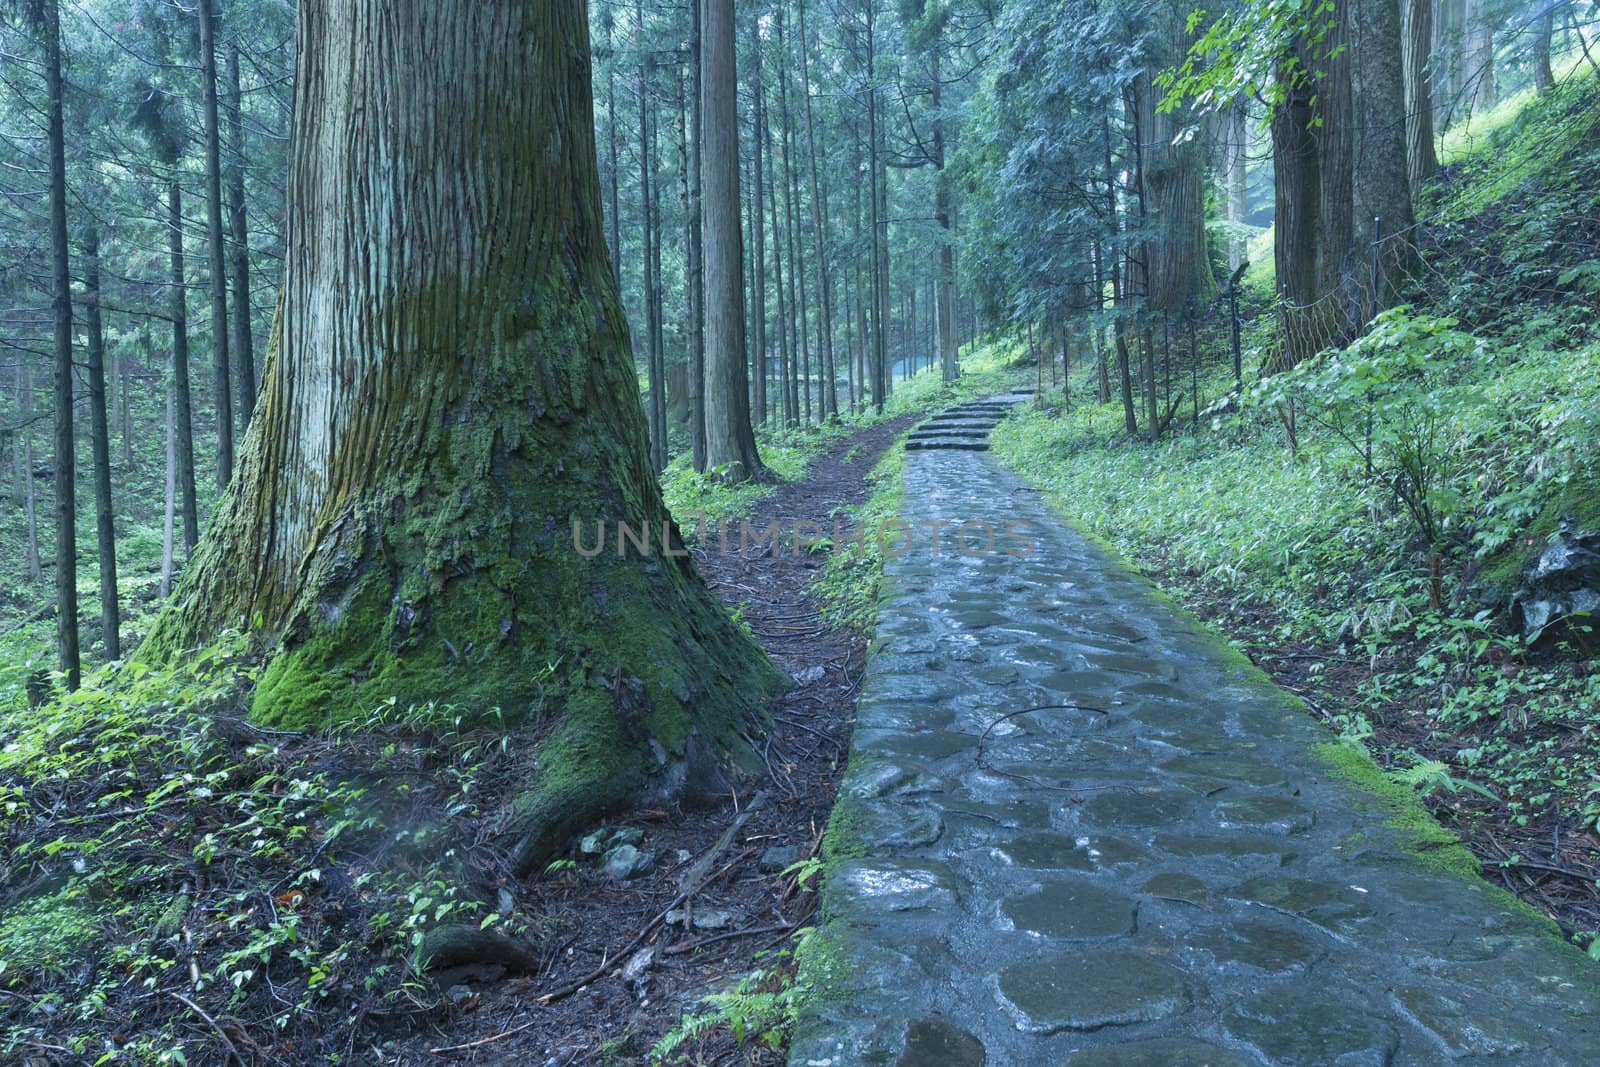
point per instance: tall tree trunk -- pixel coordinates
(25, 469)
(1449, 63)
(183, 407)
(1312, 144)
(65, 459)
(1172, 170)
(693, 253)
(880, 301)
(758, 227)
(244, 348)
(100, 438)
(791, 196)
(1119, 289)
(1421, 158)
(1479, 43)
(785, 356)
(1544, 78)
(222, 387)
(614, 243)
(435, 424)
(1382, 188)
(169, 512)
(656, 291)
(655, 410)
(819, 215)
(730, 441)
(1238, 180)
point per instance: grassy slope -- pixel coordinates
(1303, 552)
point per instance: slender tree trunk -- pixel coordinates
(244, 349)
(1449, 63)
(655, 420)
(819, 215)
(656, 291)
(25, 472)
(791, 188)
(100, 438)
(758, 227)
(786, 409)
(222, 370)
(435, 423)
(730, 441)
(1480, 54)
(879, 355)
(178, 311)
(1119, 291)
(125, 402)
(1421, 159)
(169, 513)
(694, 254)
(1238, 180)
(65, 459)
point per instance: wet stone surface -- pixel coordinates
(1175, 878)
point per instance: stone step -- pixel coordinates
(946, 443)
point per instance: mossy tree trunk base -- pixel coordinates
(448, 395)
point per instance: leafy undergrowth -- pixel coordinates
(176, 876)
(1359, 525)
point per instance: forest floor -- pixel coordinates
(751, 905)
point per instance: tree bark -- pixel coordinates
(730, 441)
(1238, 180)
(244, 348)
(785, 356)
(655, 406)
(100, 440)
(880, 301)
(65, 458)
(796, 243)
(1544, 79)
(1172, 187)
(1381, 170)
(758, 227)
(222, 387)
(183, 407)
(819, 215)
(1422, 160)
(434, 422)
(696, 272)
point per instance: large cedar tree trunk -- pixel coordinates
(447, 395)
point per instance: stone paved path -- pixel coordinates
(1176, 878)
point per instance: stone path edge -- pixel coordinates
(825, 970)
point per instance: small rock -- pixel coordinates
(779, 858)
(702, 918)
(638, 964)
(809, 676)
(602, 841)
(625, 862)
(462, 997)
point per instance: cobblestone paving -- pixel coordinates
(1163, 872)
